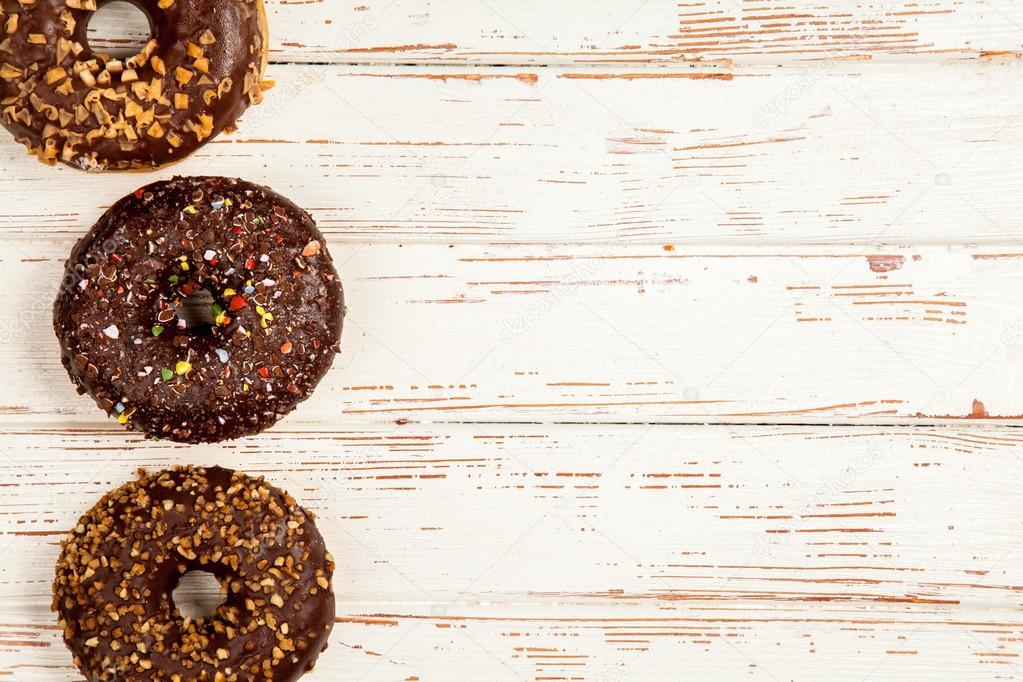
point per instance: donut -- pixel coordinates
(119, 566)
(199, 309)
(65, 102)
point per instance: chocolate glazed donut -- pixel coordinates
(120, 564)
(202, 68)
(199, 309)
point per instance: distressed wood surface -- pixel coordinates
(826, 154)
(607, 553)
(636, 32)
(685, 340)
(612, 333)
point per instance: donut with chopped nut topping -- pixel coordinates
(199, 309)
(121, 562)
(66, 102)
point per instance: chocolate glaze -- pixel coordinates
(120, 564)
(65, 102)
(257, 268)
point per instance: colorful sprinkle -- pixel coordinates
(265, 316)
(222, 354)
(173, 279)
(286, 347)
(182, 368)
(263, 372)
(210, 254)
(166, 374)
(238, 302)
(119, 407)
(157, 330)
(217, 204)
(190, 210)
(111, 331)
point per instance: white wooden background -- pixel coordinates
(685, 340)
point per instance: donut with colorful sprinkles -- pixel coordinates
(199, 309)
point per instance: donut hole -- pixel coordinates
(198, 594)
(119, 28)
(196, 311)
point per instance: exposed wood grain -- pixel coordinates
(655, 31)
(613, 333)
(497, 551)
(830, 154)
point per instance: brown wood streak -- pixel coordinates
(649, 75)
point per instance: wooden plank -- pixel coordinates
(613, 333)
(600, 552)
(603, 31)
(836, 154)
